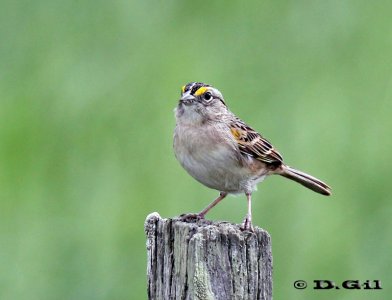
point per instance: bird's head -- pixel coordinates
(200, 102)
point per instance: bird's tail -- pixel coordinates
(306, 180)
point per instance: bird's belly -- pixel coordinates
(216, 165)
(214, 171)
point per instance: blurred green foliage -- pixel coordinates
(87, 90)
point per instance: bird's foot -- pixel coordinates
(247, 225)
(191, 217)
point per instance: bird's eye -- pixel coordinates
(207, 96)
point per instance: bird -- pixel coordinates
(222, 152)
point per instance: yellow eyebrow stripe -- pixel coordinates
(201, 91)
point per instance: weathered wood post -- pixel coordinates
(201, 259)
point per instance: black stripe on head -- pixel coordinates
(194, 86)
(188, 86)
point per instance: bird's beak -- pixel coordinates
(187, 98)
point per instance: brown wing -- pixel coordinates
(252, 143)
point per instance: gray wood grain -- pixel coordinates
(189, 258)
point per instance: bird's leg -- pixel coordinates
(202, 214)
(247, 225)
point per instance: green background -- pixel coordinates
(87, 91)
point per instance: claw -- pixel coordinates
(247, 225)
(190, 217)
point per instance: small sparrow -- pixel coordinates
(222, 152)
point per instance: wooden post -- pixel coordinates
(200, 259)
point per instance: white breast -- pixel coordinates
(209, 154)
